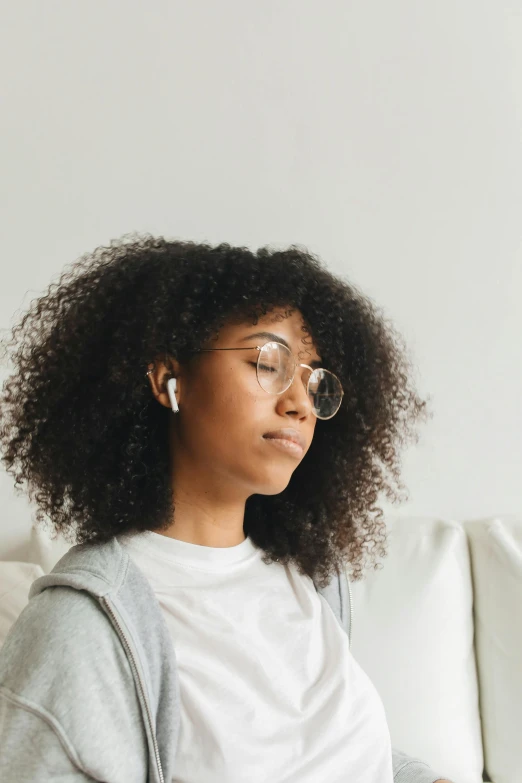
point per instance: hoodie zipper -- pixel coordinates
(133, 660)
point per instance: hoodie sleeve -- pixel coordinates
(411, 770)
(33, 747)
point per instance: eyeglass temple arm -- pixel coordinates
(249, 348)
(245, 348)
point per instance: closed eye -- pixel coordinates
(264, 367)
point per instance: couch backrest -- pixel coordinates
(413, 634)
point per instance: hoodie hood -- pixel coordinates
(109, 575)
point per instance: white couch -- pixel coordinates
(438, 629)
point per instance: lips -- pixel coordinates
(287, 433)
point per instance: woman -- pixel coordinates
(211, 428)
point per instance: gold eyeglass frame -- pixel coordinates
(296, 365)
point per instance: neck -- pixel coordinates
(209, 510)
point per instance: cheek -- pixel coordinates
(229, 417)
(224, 434)
(225, 418)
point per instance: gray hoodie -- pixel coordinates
(88, 679)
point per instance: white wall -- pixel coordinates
(386, 137)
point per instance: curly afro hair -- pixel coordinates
(79, 424)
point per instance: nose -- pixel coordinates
(295, 398)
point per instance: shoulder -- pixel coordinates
(63, 657)
(62, 636)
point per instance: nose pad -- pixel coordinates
(304, 375)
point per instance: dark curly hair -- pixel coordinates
(79, 424)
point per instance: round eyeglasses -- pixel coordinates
(275, 372)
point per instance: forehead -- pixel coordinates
(285, 324)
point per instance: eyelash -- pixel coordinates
(271, 369)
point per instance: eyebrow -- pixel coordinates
(278, 339)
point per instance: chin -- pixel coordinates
(274, 486)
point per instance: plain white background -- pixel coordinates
(385, 137)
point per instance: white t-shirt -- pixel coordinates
(269, 688)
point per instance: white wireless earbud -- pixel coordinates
(171, 389)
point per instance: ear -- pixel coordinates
(159, 372)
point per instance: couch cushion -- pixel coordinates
(46, 551)
(413, 635)
(15, 580)
(496, 556)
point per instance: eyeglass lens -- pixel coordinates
(275, 371)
